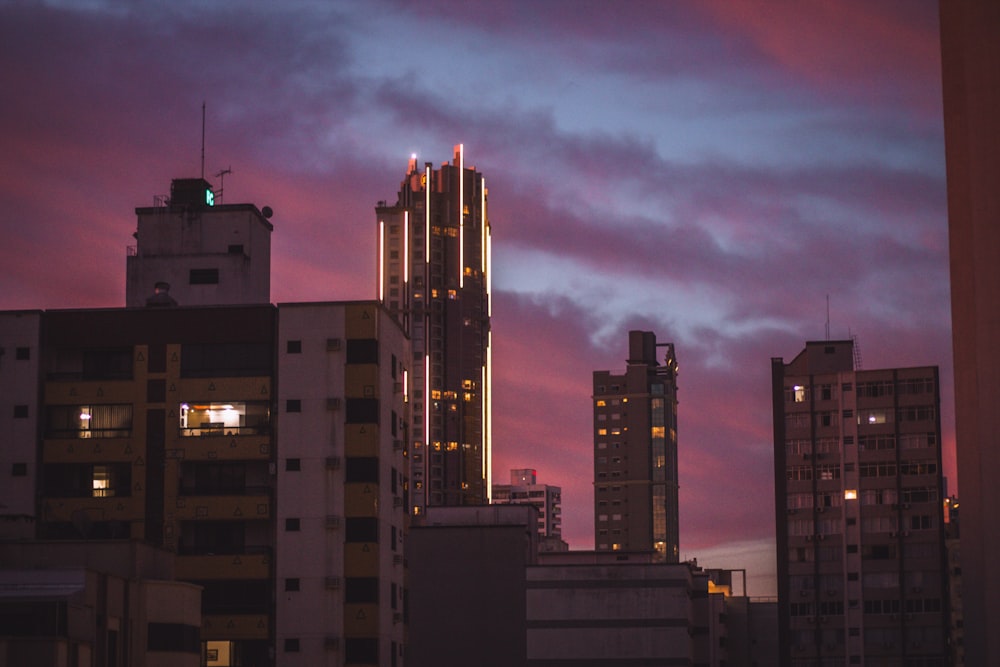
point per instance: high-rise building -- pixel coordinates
(635, 451)
(434, 273)
(858, 511)
(192, 251)
(524, 489)
(971, 89)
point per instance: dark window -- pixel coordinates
(292, 645)
(362, 351)
(235, 596)
(292, 584)
(174, 638)
(293, 405)
(362, 469)
(293, 465)
(292, 524)
(236, 249)
(157, 361)
(20, 412)
(293, 347)
(156, 391)
(204, 277)
(361, 650)
(361, 529)
(214, 537)
(19, 470)
(361, 411)
(361, 590)
(225, 359)
(393, 368)
(108, 364)
(22, 353)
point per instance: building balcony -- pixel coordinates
(204, 567)
(234, 626)
(226, 507)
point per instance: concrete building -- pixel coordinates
(635, 452)
(341, 485)
(858, 496)
(524, 489)
(95, 603)
(19, 394)
(163, 424)
(196, 253)
(971, 87)
(434, 275)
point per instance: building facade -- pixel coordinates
(971, 95)
(196, 253)
(858, 498)
(635, 452)
(434, 273)
(524, 489)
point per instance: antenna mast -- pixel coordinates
(827, 317)
(203, 140)
(222, 183)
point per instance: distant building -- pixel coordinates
(524, 489)
(635, 452)
(970, 51)
(434, 276)
(858, 496)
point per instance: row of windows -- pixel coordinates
(871, 389)
(830, 471)
(875, 442)
(825, 419)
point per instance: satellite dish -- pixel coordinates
(267, 212)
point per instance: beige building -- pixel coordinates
(524, 489)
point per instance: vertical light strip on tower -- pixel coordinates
(461, 215)
(489, 274)
(381, 260)
(488, 421)
(427, 412)
(406, 247)
(482, 223)
(427, 215)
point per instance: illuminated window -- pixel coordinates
(234, 418)
(601, 403)
(799, 393)
(602, 431)
(103, 481)
(850, 494)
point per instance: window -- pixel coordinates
(20, 412)
(19, 470)
(292, 584)
(22, 353)
(292, 524)
(361, 529)
(88, 421)
(293, 405)
(362, 469)
(173, 637)
(362, 351)
(291, 645)
(293, 465)
(203, 277)
(293, 347)
(226, 359)
(361, 590)
(224, 418)
(361, 650)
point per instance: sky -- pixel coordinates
(737, 177)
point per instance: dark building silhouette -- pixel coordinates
(635, 452)
(970, 53)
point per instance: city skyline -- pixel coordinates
(705, 171)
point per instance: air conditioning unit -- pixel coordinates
(397, 502)
(332, 344)
(333, 521)
(396, 617)
(333, 463)
(820, 510)
(397, 445)
(821, 537)
(333, 583)
(333, 404)
(331, 642)
(397, 559)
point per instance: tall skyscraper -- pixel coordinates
(524, 489)
(635, 451)
(858, 510)
(970, 51)
(434, 275)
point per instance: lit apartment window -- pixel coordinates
(224, 418)
(103, 481)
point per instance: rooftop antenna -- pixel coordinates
(203, 140)
(857, 351)
(827, 317)
(222, 182)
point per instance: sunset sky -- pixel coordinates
(709, 170)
